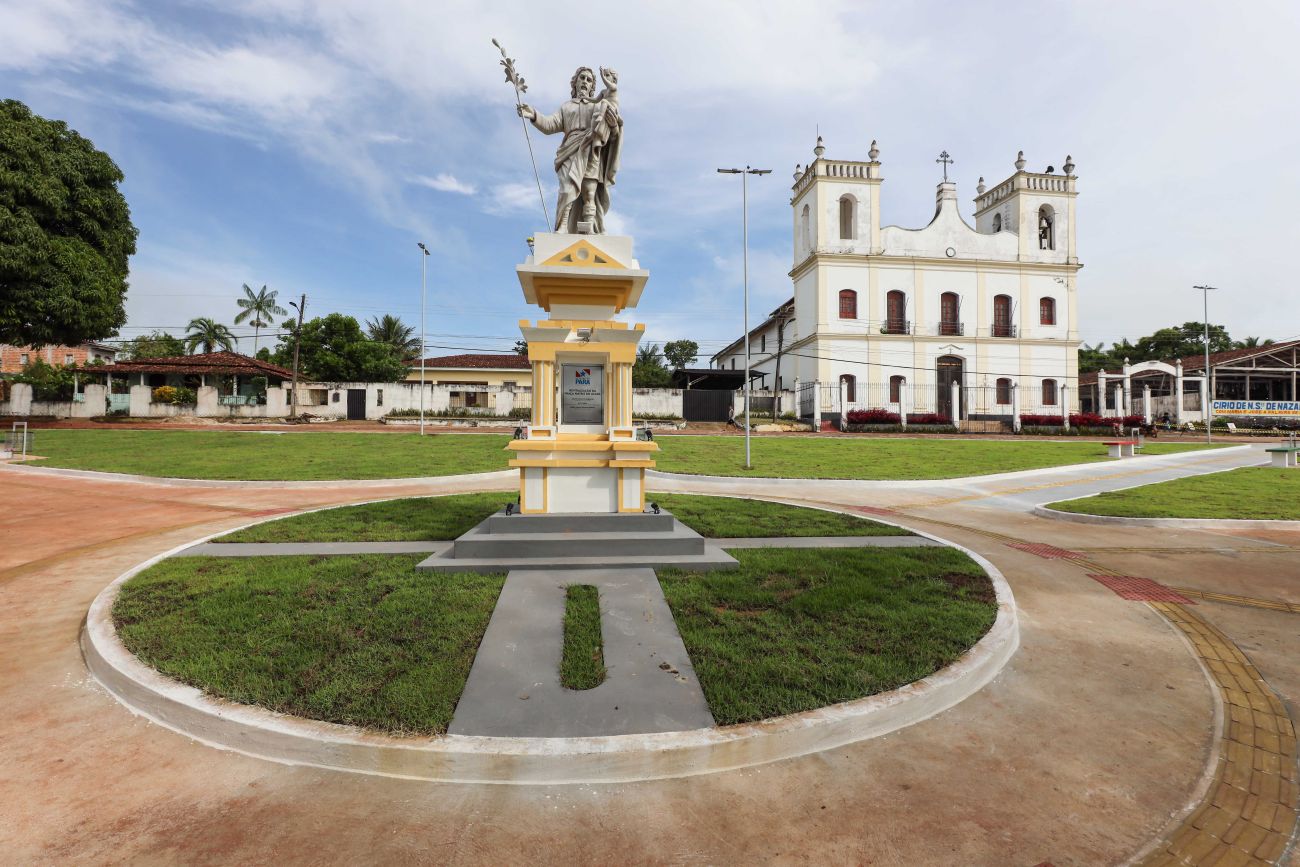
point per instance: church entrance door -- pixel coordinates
(948, 369)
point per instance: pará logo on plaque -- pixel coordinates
(582, 394)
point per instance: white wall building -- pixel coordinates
(885, 316)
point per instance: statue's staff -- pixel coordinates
(520, 89)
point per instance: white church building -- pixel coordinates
(972, 323)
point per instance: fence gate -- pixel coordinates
(699, 404)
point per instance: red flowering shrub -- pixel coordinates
(928, 418)
(1028, 420)
(872, 416)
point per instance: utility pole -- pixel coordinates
(424, 270)
(297, 341)
(744, 234)
(1209, 383)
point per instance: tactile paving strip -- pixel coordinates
(1047, 552)
(1138, 589)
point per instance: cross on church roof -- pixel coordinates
(946, 160)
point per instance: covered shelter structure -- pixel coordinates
(222, 378)
(1254, 382)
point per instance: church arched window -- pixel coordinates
(1049, 392)
(895, 312)
(997, 222)
(848, 218)
(1046, 311)
(1002, 316)
(1046, 228)
(848, 304)
(804, 234)
(1004, 391)
(895, 389)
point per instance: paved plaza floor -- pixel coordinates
(1121, 727)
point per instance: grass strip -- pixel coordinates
(877, 457)
(792, 630)
(440, 518)
(582, 665)
(732, 517)
(415, 519)
(290, 456)
(1248, 493)
(359, 640)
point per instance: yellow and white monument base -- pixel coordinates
(580, 452)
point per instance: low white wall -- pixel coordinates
(657, 401)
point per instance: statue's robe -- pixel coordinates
(589, 150)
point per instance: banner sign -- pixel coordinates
(1284, 408)
(582, 394)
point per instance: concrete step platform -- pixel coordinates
(674, 538)
(711, 558)
(503, 543)
(578, 522)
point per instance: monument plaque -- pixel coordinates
(582, 394)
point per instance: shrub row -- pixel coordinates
(884, 416)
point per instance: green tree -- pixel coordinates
(1254, 343)
(681, 353)
(48, 382)
(209, 335)
(335, 349)
(65, 234)
(392, 331)
(521, 346)
(259, 305)
(159, 344)
(649, 370)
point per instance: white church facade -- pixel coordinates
(893, 318)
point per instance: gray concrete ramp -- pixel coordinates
(514, 685)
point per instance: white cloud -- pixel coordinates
(445, 183)
(515, 198)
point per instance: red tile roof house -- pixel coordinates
(225, 384)
(478, 374)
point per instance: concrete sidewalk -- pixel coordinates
(514, 686)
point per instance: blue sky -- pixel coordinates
(308, 146)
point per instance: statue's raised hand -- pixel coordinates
(526, 111)
(609, 76)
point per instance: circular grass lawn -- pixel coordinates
(366, 640)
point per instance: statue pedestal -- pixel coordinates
(580, 452)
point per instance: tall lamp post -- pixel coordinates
(424, 271)
(1209, 384)
(744, 233)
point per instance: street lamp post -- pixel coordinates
(424, 270)
(1209, 384)
(744, 232)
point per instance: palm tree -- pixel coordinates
(209, 334)
(1254, 343)
(391, 330)
(261, 306)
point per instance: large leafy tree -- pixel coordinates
(65, 234)
(649, 370)
(208, 335)
(159, 344)
(681, 353)
(334, 349)
(391, 330)
(1166, 344)
(258, 306)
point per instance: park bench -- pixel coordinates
(1120, 448)
(1285, 456)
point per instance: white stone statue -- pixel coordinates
(587, 159)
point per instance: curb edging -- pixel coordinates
(290, 740)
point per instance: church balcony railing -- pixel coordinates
(1002, 330)
(896, 326)
(950, 329)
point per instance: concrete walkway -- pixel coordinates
(514, 685)
(1091, 748)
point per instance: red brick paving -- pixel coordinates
(1139, 589)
